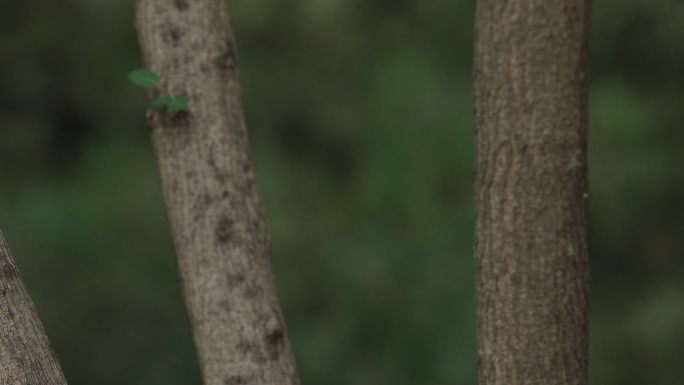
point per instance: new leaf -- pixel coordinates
(174, 102)
(144, 78)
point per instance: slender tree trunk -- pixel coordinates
(26, 357)
(531, 166)
(213, 207)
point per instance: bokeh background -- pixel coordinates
(360, 120)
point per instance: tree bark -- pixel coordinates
(26, 357)
(531, 191)
(213, 208)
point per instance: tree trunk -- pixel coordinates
(531, 176)
(213, 208)
(26, 357)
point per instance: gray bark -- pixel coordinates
(26, 357)
(531, 188)
(213, 208)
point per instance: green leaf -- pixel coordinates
(174, 102)
(144, 78)
(162, 100)
(178, 102)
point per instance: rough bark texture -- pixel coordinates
(213, 207)
(531, 170)
(26, 357)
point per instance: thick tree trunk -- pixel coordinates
(26, 357)
(531, 166)
(213, 207)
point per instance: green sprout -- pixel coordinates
(147, 78)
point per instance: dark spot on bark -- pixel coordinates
(235, 279)
(275, 335)
(234, 379)
(219, 173)
(180, 117)
(9, 271)
(250, 349)
(245, 347)
(515, 279)
(239, 379)
(225, 305)
(225, 194)
(253, 291)
(175, 34)
(227, 61)
(181, 5)
(224, 229)
(175, 119)
(171, 34)
(275, 338)
(201, 204)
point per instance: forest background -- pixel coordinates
(360, 119)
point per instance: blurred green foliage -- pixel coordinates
(360, 120)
